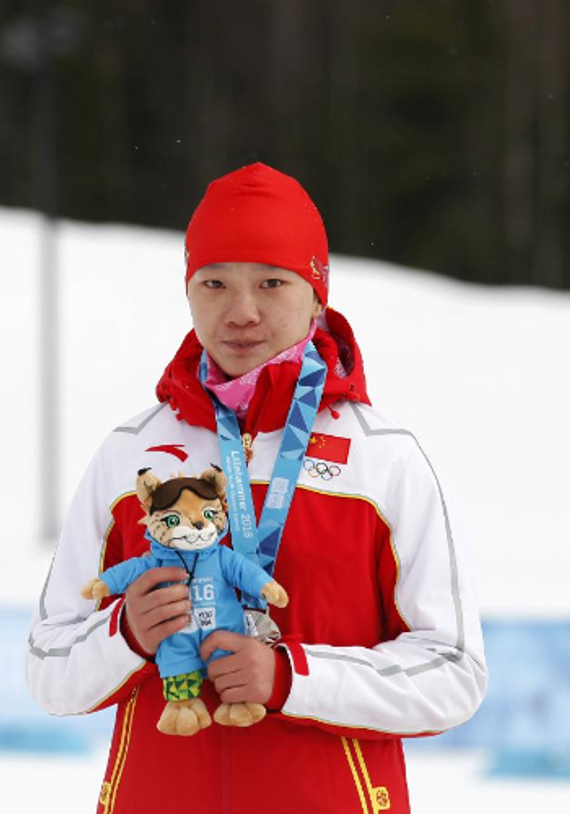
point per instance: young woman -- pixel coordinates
(381, 637)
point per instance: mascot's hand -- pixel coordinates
(95, 589)
(275, 594)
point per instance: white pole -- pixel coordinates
(47, 191)
(49, 382)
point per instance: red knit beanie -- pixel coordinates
(259, 215)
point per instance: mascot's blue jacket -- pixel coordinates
(216, 570)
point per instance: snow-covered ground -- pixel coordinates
(479, 374)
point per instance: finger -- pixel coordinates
(153, 638)
(169, 627)
(158, 616)
(222, 640)
(146, 603)
(228, 681)
(222, 666)
(153, 577)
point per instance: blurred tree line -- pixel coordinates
(430, 133)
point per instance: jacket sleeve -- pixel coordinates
(431, 676)
(78, 661)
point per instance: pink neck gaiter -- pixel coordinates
(237, 393)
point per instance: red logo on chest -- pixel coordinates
(171, 449)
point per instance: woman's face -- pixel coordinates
(246, 313)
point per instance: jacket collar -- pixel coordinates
(335, 342)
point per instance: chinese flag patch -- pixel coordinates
(328, 447)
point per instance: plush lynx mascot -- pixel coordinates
(186, 520)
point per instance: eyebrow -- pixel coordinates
(264, 267)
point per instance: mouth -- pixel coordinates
(242, 346)
(195, 541)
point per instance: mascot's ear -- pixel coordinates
(146, 485)
(217, 480)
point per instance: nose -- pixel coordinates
(242, 310)
(198, 525)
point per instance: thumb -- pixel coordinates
(221, 640)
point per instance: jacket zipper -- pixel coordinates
(225, 780)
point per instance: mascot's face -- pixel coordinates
(190, 524)
(184, 513)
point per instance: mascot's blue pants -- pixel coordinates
(180, 653)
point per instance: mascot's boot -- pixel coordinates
(185, 714)
(239, 714)
(184, 717)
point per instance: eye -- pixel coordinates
(213, 284)
(273, 282)
(209, 514)
(171, 520)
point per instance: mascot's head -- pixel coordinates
(184, 513)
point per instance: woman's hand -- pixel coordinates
(247, 674)
(155, 613)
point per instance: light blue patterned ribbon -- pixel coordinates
(260, 543)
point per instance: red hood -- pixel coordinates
(181, 388)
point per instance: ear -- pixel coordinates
(217, 480)
(146, 485)
(317, 307)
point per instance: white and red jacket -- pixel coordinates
(382, 630)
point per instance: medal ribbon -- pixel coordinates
(260, 544)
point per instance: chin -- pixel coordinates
(236, 372)
(235, 369)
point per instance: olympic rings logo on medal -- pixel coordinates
(320, 469)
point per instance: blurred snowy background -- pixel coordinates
(479, 374)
